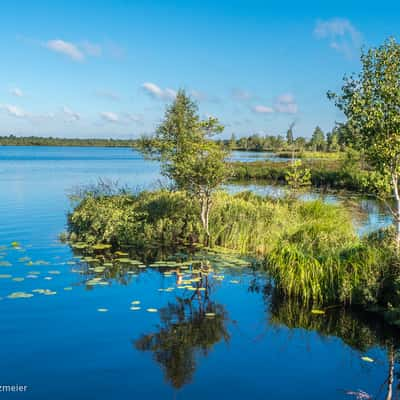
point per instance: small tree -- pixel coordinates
(318, 139)
(297, 176)
(289, 134)
(371, 103)
(188, 157)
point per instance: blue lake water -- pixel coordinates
(60, 345)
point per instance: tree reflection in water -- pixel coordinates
(360, 330)
(190, 326)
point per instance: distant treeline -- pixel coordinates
(333, 141)
(51, 141)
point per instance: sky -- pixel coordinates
(110, 68)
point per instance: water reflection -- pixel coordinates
(360, 330)
(190, 326)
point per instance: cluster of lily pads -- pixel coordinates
(32, 274)
(99, 264)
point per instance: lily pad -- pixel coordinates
(101, 246)
(5, 264)
(367, 359)
(20, 295)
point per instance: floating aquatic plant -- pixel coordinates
(20, 295)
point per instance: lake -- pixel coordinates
(76, 339)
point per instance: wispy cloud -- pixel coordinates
(286, 103)
(260, 109)
(157, 92)
(63, 115)
(109, 116)
(75, 51)
(69, 115)
(14, 111)
(341, 35)
(16, 92)
(68, 49)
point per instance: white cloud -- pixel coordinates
(109, 116)
(14, 111)
(69, 115)
(286, 103)
(263, 109)
(341, 34)
(155, 91)
(77, 52)
(66, 48)
(16, 92)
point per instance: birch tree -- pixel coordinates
(371, 103)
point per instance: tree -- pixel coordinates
(289, 134)
(188, 157)
(232, 142)
(297, 176)
(318, 139)
(300, 143)
(332, 140)
(371, 103)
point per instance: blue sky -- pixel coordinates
(108, 68)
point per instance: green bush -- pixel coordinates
(126, 220)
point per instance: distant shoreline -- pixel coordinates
(36, 141)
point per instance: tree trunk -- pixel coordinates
(395, 183)
(205, 216)
(390, 378)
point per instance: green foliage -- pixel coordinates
(289, 135)
(338, 173)
(318, 139)
(182, 145)
(297, 176)
(371, 103)
(162, 217)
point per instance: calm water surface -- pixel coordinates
(62, 347)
